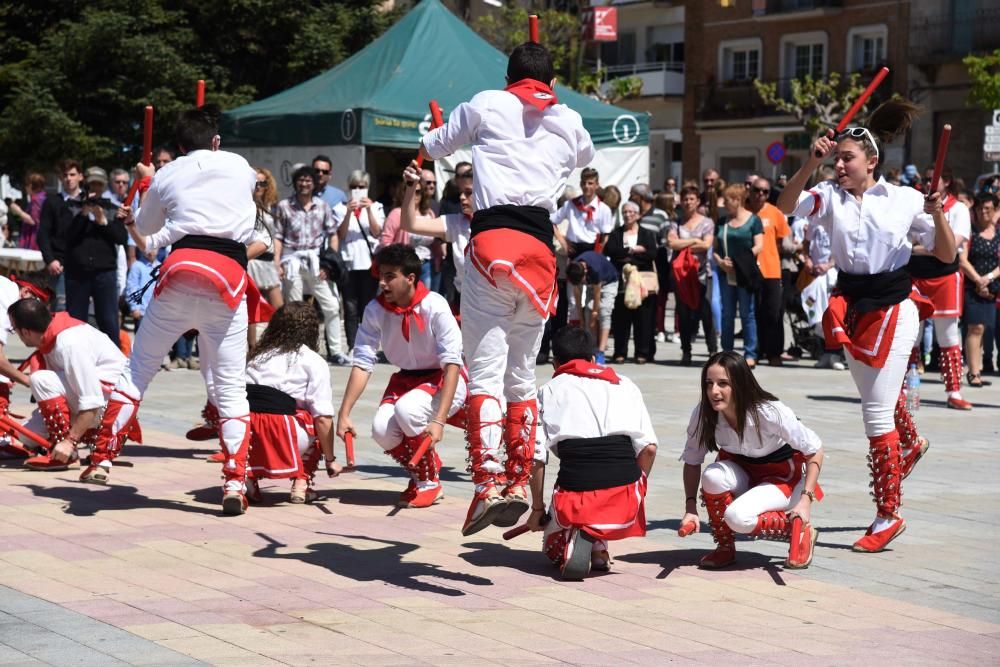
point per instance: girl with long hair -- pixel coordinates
(696, 234)
(291, 404)
(874, 312)
(31, 218)
(262, 267)
(767, 469)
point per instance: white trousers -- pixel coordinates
(751, 502)
(947, 332)
(879, 387)
(292, 286)
(409, 416)
(501, 336)
(45, 385)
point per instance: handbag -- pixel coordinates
(650, 281)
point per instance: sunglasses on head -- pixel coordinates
(859, 133)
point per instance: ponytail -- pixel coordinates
(892, 118)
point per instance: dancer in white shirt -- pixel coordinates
(875, 312)
(79, 369)
(417, 333)
(524, 146)
(597, 424)
(590, 219)
(767, 469)
(291, 403)
(202, 203)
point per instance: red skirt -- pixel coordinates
(944, 292)
(274, 444)
(873, 332)
(605, 514)
(530, 266)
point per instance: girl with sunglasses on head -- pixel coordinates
(874, 312)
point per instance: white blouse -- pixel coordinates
(778, 427)
(356, 251)
(873, 235)
(303, 375)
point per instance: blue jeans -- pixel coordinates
(183, 348)
(102, 287)
(733, 295)
(717, 278)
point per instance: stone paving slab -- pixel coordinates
(147, 571)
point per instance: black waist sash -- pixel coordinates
(866, 293)
(928, 266)
(234, 250)
(777, 456)
(591, 464)
(269, 400)
(417, 372)
(531, 220)
(265, 257)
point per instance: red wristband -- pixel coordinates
(144, 183)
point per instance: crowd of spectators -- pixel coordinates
(723, 250)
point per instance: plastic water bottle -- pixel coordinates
(912, 389)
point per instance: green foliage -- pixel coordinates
(560, 33)
(984, 72)
(74, 76)
(817, 103)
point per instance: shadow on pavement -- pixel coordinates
(364, 497)
(385, 564)
(670, 560)
(834, 399)
(136, 450)
(86, 500)
(491, 554)
(447, 474)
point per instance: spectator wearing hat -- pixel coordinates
(88, 235)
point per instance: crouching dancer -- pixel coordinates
(81, 365)
(291, 404)
(202, 203)
(418, 333)
(757, 485)
(596, 422)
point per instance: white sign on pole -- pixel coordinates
(991, 139)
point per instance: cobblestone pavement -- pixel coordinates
(147, 571)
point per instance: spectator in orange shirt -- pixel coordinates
(770, 325)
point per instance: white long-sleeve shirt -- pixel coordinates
(303, 375)
(874, 235)
(571, 406)
(581, 230)
(204, 192)
(520, 156)
(438, 344)
(85, 357)
(778, 427)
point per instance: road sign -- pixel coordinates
(991, 139)
(776, 152)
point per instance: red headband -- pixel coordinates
(36, 291)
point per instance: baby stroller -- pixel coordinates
(804, 336)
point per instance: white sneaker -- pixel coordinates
(838, 365)
(661, 337)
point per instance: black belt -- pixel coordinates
(531, 220)
(265, 257)
(591, 464)
(269, 400)
(234, 250)
(776, 456)
(417, 372)
(928, 266)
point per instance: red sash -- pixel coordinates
(274, 444)
(530, 266)
(944, 292)
(873, 332)
(605, 514)
(226, 274)
(532, 92)
(586, 209)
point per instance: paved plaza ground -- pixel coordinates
(148, 572)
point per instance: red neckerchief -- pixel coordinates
(418, 295)
(357, 214)
(532, 92)
(585, 208)
(948, 202)
(587, 369)
(60, 322)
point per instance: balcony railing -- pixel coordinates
(658, 78)
(937, 38)
(734, 100)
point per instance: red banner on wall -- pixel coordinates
(601, 24)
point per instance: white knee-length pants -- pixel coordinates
(751, 502)
(879, 387)
(410, 414)
(501, 336)
(46, 384)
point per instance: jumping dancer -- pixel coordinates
(875, 311)
(524, 147)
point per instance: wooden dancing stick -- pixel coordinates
(533, 28)
(7, 422)
(942, 151)
(349, 448)
(437, 120)
(523, 528)
(858, 103)
(147, 152)
(199, 94)
(687, 529)
(795, 543)
(422, 448)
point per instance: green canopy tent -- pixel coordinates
(378, 98)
